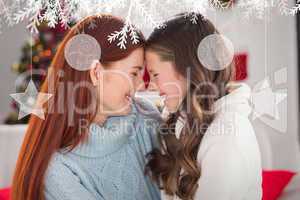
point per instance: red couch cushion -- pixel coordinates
(4, 194)
(274, 183)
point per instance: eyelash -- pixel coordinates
(134, 74)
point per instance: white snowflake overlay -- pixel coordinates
(144, 14)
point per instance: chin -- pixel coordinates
(127, 111)
(171, 108)
(124, 110)
(172, 105)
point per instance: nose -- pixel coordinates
(162, 93)
(141, 87)
(152, 87)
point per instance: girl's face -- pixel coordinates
(117, 83)
(166, 80)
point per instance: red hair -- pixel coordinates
(61, 126)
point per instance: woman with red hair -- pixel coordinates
(93, 140)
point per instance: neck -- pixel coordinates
(100, 119)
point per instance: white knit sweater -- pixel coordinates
(229, 156)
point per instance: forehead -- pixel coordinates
(155, 63)
(152, 60)
(134, 59)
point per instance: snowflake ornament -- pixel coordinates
(5, 14)
(144, 14)
(122, 36)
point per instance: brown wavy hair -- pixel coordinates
(61, 127)
(178, 43)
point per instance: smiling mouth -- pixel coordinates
(128, 97)
(163, 98)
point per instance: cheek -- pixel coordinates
(172, 90)
(118, 87)
(168, 85)
(138, 83)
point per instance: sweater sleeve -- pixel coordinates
(146, 138)
(62, 184)
(149, 120)
(223, 172)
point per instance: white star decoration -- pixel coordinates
(31, 101)
(265, 101)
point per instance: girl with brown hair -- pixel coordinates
(208, 149)
(93, 140)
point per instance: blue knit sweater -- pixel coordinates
(110, 165)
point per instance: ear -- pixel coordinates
(96, 72)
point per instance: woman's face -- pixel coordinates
(118, 82)
(166, 80)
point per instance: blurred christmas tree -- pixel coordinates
(37, 54)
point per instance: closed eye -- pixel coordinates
(134, 73)
(138, 70)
